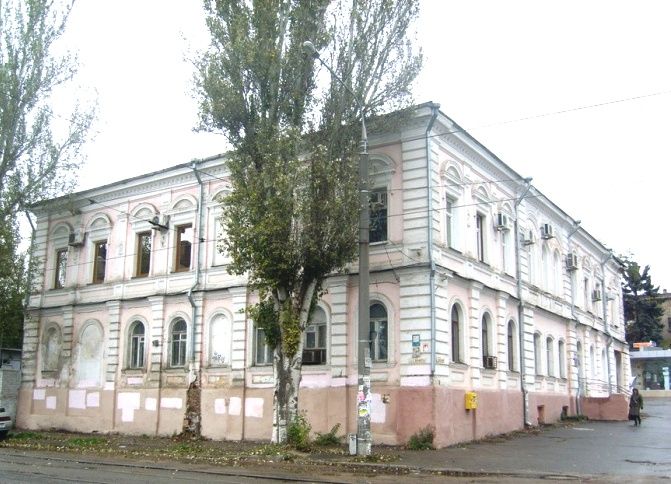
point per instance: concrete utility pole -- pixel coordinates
(364, 437)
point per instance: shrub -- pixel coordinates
(329, 438)
(298, 433)
(422, 439)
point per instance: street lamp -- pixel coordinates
(363, 434)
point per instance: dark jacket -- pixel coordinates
(635, 404)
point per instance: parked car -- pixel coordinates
(5, 423)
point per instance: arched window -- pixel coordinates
(578, 360)
(378, 332)
(537, 353)
(456, 334)
(314, 347)
(178, 343)
(511, 345)
(592, 363)
(549, 349)
(487, 341)
(137, 341)
(220, 341)
(561, 352)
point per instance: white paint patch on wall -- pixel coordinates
(220, 406)
(234, 406)
(77, 399)
(150, 404)
(51, 402)
(39, 394)
(315, 381)
(46, 382)
(87, 384)
(254, 407)
(109, 385)
(93, 399)
(378, 410)
(415, 381)
(171, 403)
(128, 402)
(135, 380)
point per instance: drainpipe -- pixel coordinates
(520, 304)
(432, 263)
(578, 394)
(606, 326)
(196, 278)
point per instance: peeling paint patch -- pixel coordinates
(254, 407)
(77, 399)
(171, 403)
(51, 403)
(220, 406)
(128, 402)
(234, 406)
(39, 394)
(93, 399)
(150, 404)
(378, 409)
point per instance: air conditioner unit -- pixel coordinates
(530, 238)
(546, 231)
(502, 222)
(314, 356)
(160, 222)
(572, 261)
(76, 238)
(489, 362)
(596, 295)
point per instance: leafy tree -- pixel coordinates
(12, 288)
(291, 218)
(38, 154)
(642, 309)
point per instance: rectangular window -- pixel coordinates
(504, 249)
(143, 252)
(449, 231)
(378, 215)
(263, 355)
(480, 236)
(99, 261)
(183, 243)
(61, 267)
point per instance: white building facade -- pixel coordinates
(478, 284)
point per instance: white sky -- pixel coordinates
(486, 62)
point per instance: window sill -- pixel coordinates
(133, 371)
(459, 365)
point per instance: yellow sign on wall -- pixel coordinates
(471, 401)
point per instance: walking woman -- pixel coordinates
(635, 407)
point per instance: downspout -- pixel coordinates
(520, 305)
(196, 278)
(435, 107)
(578, 393)
(606, 326)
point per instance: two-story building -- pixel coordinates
(478, 283)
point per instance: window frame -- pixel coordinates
(140, 253)
(319, 330)
(549, 352)
(375, 345)
(180, 253)
(383, 194)
(261, 346)
(538, 367)
(99, 262)
(455, 333)
(510, 342)
(181, 344)
(480, 239)
(137, 346)
(561, 354)
(61, 268)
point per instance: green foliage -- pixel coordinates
(86, 442)
(291, 216)
(298, 433)
(642, 310)
(329, 438)
(422, 439)
(12, 286)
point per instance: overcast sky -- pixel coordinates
(576, 94)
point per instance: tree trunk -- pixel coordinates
(287, 372)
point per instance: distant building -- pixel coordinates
(478, 283)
